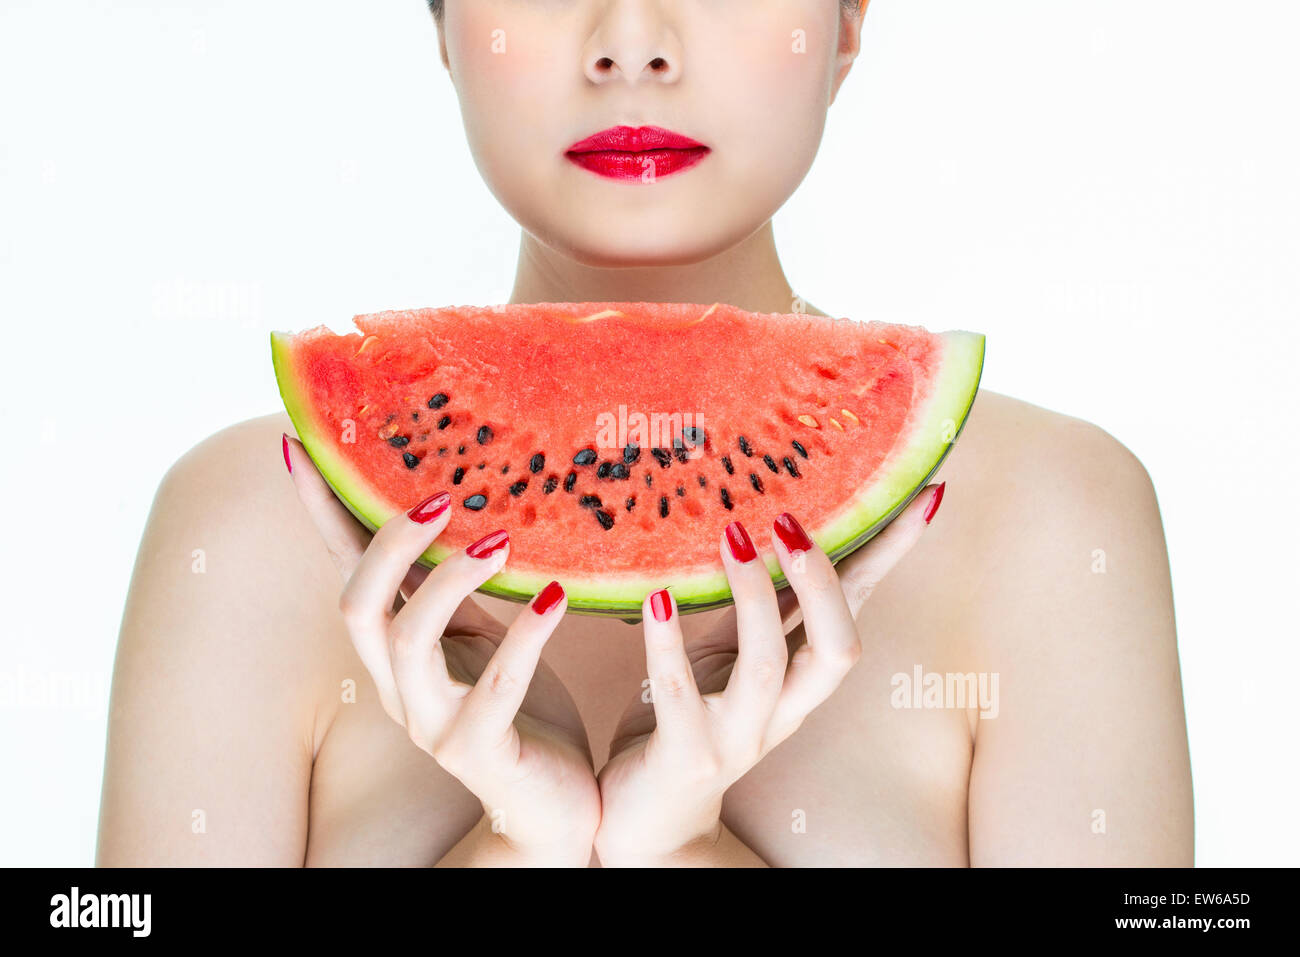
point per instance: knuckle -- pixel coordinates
(847, 655)
(751, 752)
(497, 679)
(448, 753)
(350, 607)
(672, 686)
(402, 635)
(768, 670)
(822, 580)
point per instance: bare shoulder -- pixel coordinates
(1053, 501)
(230, 494)
(1059, 559)
(227, 646)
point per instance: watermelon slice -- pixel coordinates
(614, 441)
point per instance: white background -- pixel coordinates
(1107, 189)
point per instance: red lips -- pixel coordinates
(636, 152)
(634, 139)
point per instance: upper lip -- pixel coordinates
(633, 139)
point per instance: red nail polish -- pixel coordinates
(661, 605)
(430, 508)
(742, 549)
(791, 533)
(934, 503)
(548, 598)
(488, 544)
(288, 462)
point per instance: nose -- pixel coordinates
(633, 40)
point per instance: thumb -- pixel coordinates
(862, 571)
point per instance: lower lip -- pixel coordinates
(628, 166)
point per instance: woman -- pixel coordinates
(252, 723)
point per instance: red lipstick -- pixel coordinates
(636, 152)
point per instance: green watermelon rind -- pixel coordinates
(904, 473)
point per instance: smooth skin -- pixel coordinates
(246, 724)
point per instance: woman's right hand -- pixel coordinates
(517, 745)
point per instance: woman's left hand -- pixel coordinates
(714, 711)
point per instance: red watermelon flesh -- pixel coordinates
(694, 416)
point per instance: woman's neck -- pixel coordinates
(748, 276)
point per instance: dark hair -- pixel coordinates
(437, 6)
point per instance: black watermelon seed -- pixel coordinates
(438, 401)
(726, 464)
(630, 502)
(457, 475)
(681, 490)
(767, 460)
(410, 460)
(693, 435)
(415, 416)
(619, 471)
(663, 506)
(460, 450)
(518, 488)
(444, 422)
(399, 441)
(441, 451)
(649, 480)
(537, 462)
(505, 468)
(606, 520)
(482, 465)
(590, 501)
(484, 434)
(726, 500)
(663, 458)
(703, 481)
(799, 448)
(679, 450)
(476, 502)
(604, 470)
(757, 482)
(569, 481)
(631, 453)
(745, 447)
(549, 486)
(789, 466)
(585, 457)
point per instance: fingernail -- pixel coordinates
(488, 544)
(934, 503)
(791, 533)
(548, 598)
(430, 508)
(742, 549)
(661, 605)
(288, 462)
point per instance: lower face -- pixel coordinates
(749, 80)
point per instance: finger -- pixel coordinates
(367, 599)
(866, 568)
(345, 538)
(862, 571)
(679, 710)
(430, 696)
(486, 720)
(756, 679)
(833, 645)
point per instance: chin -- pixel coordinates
(633, 247)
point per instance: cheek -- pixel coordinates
(501, 72)
(769, 99)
